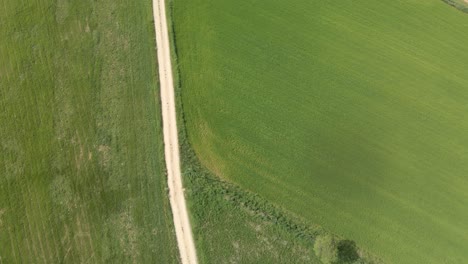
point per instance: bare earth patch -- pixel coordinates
(2, 211)
(104, 152)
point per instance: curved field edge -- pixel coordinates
(350, 120)
(81, 163)
(233, 224)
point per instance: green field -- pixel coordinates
(347, 114)
(81, 159)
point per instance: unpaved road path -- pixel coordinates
(171, 142)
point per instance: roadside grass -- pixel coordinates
(345, 114)
(81, 157)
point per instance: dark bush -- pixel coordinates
(331, 250)
(347, 251)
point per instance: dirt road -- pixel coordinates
(171, 142)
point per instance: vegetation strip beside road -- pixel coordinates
(171, 144)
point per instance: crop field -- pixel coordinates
(81, 164)
(347, 114)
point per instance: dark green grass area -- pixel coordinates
(348, 114)
(81, 164)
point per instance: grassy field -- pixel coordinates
(347, 114)
(81, 163)
(232, 225)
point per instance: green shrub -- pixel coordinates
(347, 251)
(331, 250)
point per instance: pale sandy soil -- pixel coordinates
(171, 145)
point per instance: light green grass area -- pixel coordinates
(81, 163)
(348, 114)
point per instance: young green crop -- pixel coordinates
(349, 114)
